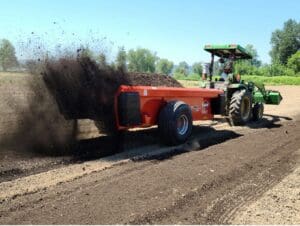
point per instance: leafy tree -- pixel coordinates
(182, 68)
(102, 60)
(197, 68)
(8, 57)
(113, 65)
(164, 66)
(275, 69)
(121, 59)
(285, 42)
(217, 69)
(245, 68)
(248, 67)
(294, 62)
(141, 60)
(85, 51)
(254, 61)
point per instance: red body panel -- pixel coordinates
(152, 99)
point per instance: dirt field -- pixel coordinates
(246, 175)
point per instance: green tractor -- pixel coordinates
(242, 101)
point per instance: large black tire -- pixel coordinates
(258, 111)
(240, 109)
(175, 123)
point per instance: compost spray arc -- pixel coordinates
(84, 89)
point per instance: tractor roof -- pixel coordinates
(226, 51)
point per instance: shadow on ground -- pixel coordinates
(146, 141)
(202, 137)
(269, 122)
(138, 145)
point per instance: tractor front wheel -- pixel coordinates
(258, 111)
(240, 108)
(175, 123)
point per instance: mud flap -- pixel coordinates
(129, 109)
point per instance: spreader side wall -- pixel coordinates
(153, 99)
(151, 106)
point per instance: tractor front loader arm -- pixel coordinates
(266, 96)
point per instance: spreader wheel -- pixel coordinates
(175, 123)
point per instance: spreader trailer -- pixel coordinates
(175, 109)
(172, 109)
(119, 106)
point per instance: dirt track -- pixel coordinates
(219, 175)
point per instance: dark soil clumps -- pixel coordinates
(83, 89)
(152, 79)
(35, 123)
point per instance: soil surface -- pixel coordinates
(279, 205)
(35, 137)
(221, 175)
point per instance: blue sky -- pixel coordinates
(176, 30)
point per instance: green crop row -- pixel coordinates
(267, 80)
(276, 80)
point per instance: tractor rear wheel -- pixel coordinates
(175, 123)
(240, 108)
(258, 111)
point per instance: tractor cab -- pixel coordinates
(227, 54)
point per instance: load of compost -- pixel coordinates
(83, 89)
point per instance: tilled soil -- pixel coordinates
(279, 205)
(217, 174)
(34, 135)
(19, 162)
(203, 187)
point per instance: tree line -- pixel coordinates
(285, 55)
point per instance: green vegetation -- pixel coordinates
(285, 42)
(141, 60)
(8, 57)
(197, 68)
(85, 51)
(102, 60)
(182, 68)
(275, 69)
(294, 62)
(121, 59)
(190, 77)
(252, 70)
(254, 67)
(164, 66)
(276, 80)
(254, 61)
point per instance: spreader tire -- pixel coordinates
(175, 123)
(258, 111)
(240, 109)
